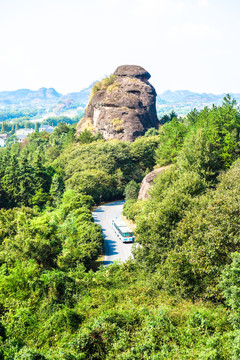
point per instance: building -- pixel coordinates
(4, 136)
(21, 134)
(47, 128)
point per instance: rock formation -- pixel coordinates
(148, 182)
(122, 106)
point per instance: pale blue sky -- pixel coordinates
(67, 44)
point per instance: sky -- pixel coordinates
(67, 44)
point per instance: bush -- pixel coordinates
(27, 354)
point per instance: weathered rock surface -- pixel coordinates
(124, 108)
(148, 182)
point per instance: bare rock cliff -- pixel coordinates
(148, 182)
(122, 106)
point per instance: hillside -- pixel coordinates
(25, 97)
(178, 298)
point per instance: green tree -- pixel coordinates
(131, 191)
(86, 137)
(57, 188)
(171, 137)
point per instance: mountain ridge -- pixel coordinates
(46, 97)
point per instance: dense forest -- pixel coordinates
(178, 298)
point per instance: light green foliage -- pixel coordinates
(220, 128)
(28, 354)
(96, 183)
(151, 132)
(82, 243)
(102, 169)
(198, 155)
(171, 138)
(86, 137)
(72, 201)
(116, 122)
(131, 190)
(103, 84)
(142, 151)
(132, 208)
(53, 306)
(230, 283)
(188, 236)
(56, 120)
(113, 86)
(169, 199)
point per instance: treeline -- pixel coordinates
(34, 172)
(24, 114)
(13, 120)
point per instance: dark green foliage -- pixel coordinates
(167, 118)
(22, 179)
(2, 332)
(131, 190)
(57, 188)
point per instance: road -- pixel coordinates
(114, 249)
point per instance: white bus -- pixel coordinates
(122, 231)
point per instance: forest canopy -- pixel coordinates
(177, 298)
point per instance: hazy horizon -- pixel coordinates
(204, 92)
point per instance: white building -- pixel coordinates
(21, 134)
(4, 136)
(2, 142)
(47, 128)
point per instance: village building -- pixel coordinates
(21, 134)
(47, 128)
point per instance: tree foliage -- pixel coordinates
(168, 302)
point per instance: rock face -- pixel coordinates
(148, 181)
(123, 106)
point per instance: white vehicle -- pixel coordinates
(122, 231)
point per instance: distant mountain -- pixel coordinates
(80, 97)
(27, 97)
(182, 101)
(188, 97)
(43, 97)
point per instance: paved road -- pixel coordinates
(114, 249)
